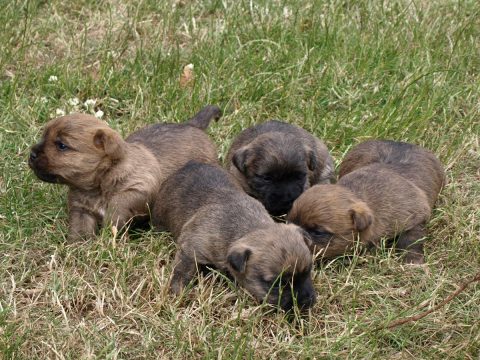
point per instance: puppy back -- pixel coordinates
(413, 162)
(395, 201)
(194, 187)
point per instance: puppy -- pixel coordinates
(215, 223)
(275, 162)
(386, 189)
(112, 180)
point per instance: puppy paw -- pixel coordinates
(176, 287)
(414, 259)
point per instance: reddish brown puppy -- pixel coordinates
(112, 180)
(215, 223)
(275, 162)
(386, 190)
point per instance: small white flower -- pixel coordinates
(90, 103)
(52, 78)
(99, 114)
(43, 100)
(287, 12)
(60, 112)
(73, 101)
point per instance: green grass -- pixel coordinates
(344, 70)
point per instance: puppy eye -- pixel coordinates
(319, 233)
(266, 178)
(299, 176)
(61, 146)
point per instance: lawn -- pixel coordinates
(346, 71)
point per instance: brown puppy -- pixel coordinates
(386, 189)
(215, 223)
(111, 179)
(275, 162)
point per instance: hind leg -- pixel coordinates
(411, 242)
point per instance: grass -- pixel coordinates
(346, 71)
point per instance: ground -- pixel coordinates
(346, 71)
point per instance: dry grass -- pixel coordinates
(346, 71)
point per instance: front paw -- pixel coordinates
(176, 286)
(75, 236)
(414, 258)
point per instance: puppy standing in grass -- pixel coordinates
(275, 162)
(385, 189)
(215, 223)
(112, 180)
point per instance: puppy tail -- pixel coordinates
(202, 119)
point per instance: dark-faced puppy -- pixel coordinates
(112, 180)
(275, 162)
(214, 222)
(386, 189)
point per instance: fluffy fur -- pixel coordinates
(214, 222)
(386, 189)
(275, 162)
(112, 180)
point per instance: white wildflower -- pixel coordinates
(73, 101)
(90, 103)
(52, 78)
(60, 112)
(287, 13)
(99, 114)
(43, 100)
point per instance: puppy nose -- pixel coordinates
(307, 297)
(33, 155)
(311, 300)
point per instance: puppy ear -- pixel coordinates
(306, 238)
(312, 161)
(361, 215)
(110, 142)
(237, 257)
(239, 159)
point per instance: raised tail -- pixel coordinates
(202, 119)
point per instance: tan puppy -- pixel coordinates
(275, 162)
(112, 180)
(215, 223)
(386, 189)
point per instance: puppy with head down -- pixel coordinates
(275, 162)
(215, 223)
(112, 180)
(386, 189)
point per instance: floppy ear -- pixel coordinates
(110, 142)
(312, 161)
(237, 257)
(239, 159)
(306, 237)
(361, 215)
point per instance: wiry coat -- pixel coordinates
(214, 222)
(386, 189)
(112, 180)
(275, 162)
